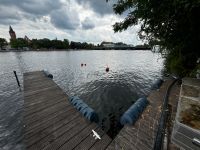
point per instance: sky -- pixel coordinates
(76, 20)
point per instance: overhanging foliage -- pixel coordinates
(172, 24)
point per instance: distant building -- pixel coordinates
(120, 44)
(114, 45)
(107, 44)
(12, 34)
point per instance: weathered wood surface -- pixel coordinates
(141, 135)
(51, 122)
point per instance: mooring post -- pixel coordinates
(16, 78)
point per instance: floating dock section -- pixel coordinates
(50, 120)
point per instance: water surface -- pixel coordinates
(109, 94)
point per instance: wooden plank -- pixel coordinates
(61, 104)
(123, 143)
(102, 144)
(48, 120)
(32, 85)
(61, 140)
(41, 83)
(138, 138)
(114, 146)
(42, 98)
(33, 75)
(39, 86)
(60, 119)
(42, 93)
(28, 93)
(49, 93)
(89, 141)
(44, 106)
(78, 138)
(31, 119)
(45, 140)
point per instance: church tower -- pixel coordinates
(12, 34)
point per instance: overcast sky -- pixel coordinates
(76, 20)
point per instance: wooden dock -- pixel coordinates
(51, 122)
(141, 135)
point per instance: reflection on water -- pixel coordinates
(110, 100)
(110, 94)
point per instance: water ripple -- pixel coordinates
(110, 94)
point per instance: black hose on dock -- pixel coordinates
(162, 122)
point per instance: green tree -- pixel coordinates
(66, 43)
(3, 43)
(14, 43)
(45, 43)
(18, 43)
(34, 44)
(172, 24)
(57, 44)
(49, 44)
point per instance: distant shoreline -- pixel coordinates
(47, 50)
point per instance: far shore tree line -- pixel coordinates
(45, 43)
(35, 44)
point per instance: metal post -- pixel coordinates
(16, 78)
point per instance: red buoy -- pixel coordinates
(107, 69)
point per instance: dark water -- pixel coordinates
(110, 94)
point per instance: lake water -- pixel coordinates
(110, 94)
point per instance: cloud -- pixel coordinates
(40, 7)
(8, 21)
(87, 24)
(98, 6)
(65, 19)
(9, 16)
(34, 7)
(36, 10)
(77, 20)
